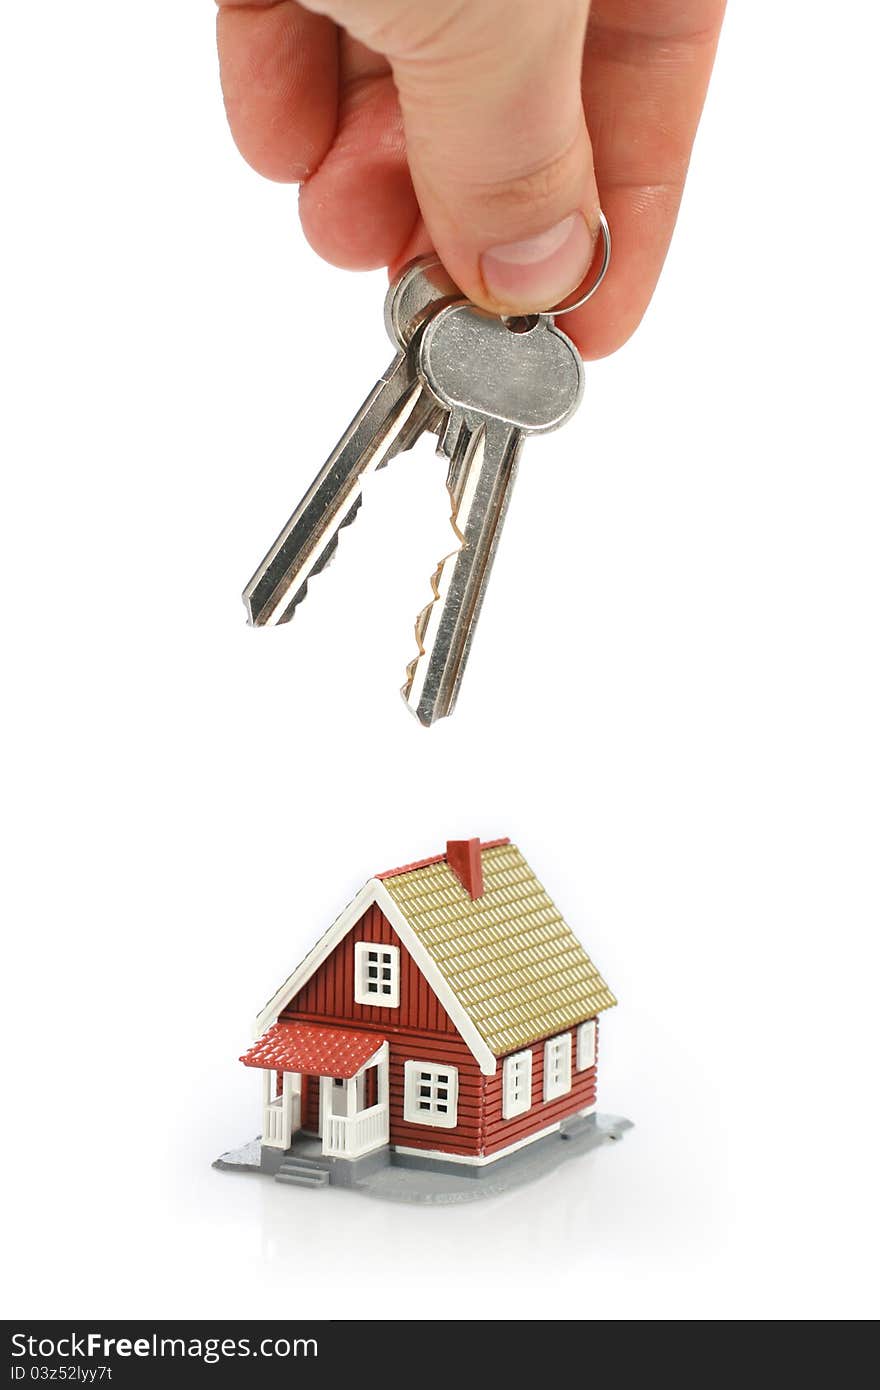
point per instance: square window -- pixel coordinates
(516, 1096)
(430, 1095)
(376, 972)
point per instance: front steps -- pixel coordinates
(302, 1172)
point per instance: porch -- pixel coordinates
(344, 1061)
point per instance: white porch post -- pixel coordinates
(281, 1113)
(326, 1105)
(273, 1114)
(287, 1105)
(358, 1128)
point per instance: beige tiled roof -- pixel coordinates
(515, 966)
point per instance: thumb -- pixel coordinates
(497, 144)
(498, 149)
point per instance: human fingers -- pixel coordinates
(278, 69)
(495, 137)
(646, 69)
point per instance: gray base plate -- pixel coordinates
(246, 1159)
(436, 1182)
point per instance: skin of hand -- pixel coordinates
(490, 130)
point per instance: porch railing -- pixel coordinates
(349, 1136)
(280, 1118)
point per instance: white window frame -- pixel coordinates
(586, 1045)
(419, 1077)
(516, 1094)
(386, 958)
(557, 1066)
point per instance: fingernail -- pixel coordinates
(536, 273)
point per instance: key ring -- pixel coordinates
(603, 268)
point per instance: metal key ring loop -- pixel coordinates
(603, 269)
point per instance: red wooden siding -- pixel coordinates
(311, 1093)
(467, 1137)
(428, 1047)
(372, 1089)
(421, 1030)
(481, 1128)
(498, 1132)
(329, 994)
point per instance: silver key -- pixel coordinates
(396, 412)
(498, 382)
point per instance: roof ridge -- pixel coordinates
(436, 859)
(509, 958)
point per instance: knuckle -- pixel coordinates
(532, 190)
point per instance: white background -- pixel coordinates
(672, 706)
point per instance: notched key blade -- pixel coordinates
(412, 691)
(322, 562)
(482, 467)
(498, 384)
(389, 421)
(392, 417)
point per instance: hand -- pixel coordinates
(460, 124)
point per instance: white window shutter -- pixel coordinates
(586, 1045)
(557, 1066)
(516, 1084)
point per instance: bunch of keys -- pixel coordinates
(481, 384)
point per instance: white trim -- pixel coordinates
(440, 1075)
(281, 1113)
(317, 955)
(325, 1094)
(561, 1044)
(485, 1058)
(358, 1130)
(374, 1061)
(586, 1045)
(387, 957)
(478, 1160)
(325, 1103)
(516, 1063)
(374, 891)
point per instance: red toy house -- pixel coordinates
(448, 1017)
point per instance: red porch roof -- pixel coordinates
(307, 1048)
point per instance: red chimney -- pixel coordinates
(466, 862)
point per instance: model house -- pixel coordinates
(448, 1017)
